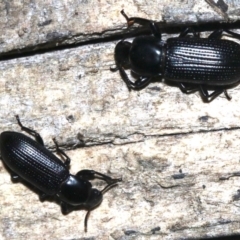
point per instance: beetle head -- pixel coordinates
(75, 191)
(93, 201)
(95, 198)
(79, 192)
(122, 54)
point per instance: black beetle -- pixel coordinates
(192, 62)
(30, 161)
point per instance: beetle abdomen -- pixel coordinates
(32, 162)
(202, 61)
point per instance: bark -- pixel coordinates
(178, 157)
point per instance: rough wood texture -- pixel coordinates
(178, 157)
(35, 24)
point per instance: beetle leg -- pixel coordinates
(43, 196)
(138, 84)
(227, 95)
(209, 97)
(66, 208)
(14, 177)
(35, 134)
(132, 20)
(216, 34)
(91, 175)
(67, 159)
(125, 78)
(188, 89)
(142, 21)
(155, 30)
(185, 32)
(114, 68)
(236, 35)
(142, 82)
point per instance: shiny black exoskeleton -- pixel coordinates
(194, 63)
(30, 161)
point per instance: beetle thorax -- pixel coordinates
(146, 56)
(75, 191)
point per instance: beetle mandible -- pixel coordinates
(30, 161)
(192, 62)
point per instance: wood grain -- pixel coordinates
(178, 157)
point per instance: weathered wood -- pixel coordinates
(36, 25)
(153, 194)
(178, 156)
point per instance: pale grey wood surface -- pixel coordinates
(178, 157)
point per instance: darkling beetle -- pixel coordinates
(30, 161)
(194, 63)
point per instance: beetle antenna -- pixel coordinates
(110, 185)
(85, 220)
